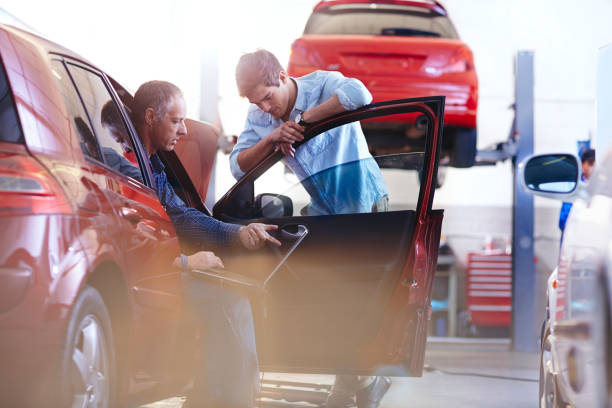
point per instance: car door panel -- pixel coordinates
(337, 272)
(354, 295)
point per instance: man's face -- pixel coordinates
(587, 169)
(271, 99)
(166, 131)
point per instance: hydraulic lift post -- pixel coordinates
(524, 332)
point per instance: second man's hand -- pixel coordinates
(255, 235)
(285, 135)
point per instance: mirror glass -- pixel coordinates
(552, 173)
(271, 206)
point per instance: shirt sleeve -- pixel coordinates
(247, 138)
(192, 225)
(351, 92)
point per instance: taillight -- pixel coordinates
(26, 187)
(302, 58)
(461, 61)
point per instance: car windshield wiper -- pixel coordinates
(409, 32)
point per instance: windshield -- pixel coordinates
(381, 20)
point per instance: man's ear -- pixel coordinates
(283, 77)
(150, 116)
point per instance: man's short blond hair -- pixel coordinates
(257, 68)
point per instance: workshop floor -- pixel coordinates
(463, 373)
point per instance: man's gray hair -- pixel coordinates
(156, 95)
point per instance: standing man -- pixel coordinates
(281, 109)
(228, 375)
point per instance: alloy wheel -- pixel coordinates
(90, 366)
(547, 384)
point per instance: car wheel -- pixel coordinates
(464, 148)
(548, 388)
(89, 355)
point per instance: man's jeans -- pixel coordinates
(227, 374)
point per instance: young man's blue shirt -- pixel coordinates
(336, 167)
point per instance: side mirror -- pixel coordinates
(273, 206)
(550, 175)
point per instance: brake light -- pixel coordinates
(26, 187)
(461, 61)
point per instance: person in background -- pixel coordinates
(587, 159)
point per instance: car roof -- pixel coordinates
(432, 5)
(38, 40)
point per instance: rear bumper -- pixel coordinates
(461, 98)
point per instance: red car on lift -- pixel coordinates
(90, 306)
(398, 49)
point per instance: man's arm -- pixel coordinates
(196, 227)
(346, 94)
(248, 156)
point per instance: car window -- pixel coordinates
(359, 19)
(109, 127)
(79, 120)
(10, 131)
(389, 182)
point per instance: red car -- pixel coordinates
(398, 49)
(90, 306)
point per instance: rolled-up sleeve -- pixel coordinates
(351, 92)
(247, 138)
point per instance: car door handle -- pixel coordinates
(301, 231)
(298, 237)
(130, 214)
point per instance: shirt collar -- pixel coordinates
(156, 164)
(301, 104)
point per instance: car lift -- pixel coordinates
(518, 147)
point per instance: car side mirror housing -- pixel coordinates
(273, 206)
(551, 175)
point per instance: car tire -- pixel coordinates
(89, 358)
(548, 395)
(464, 148)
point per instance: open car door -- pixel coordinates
(346, 293)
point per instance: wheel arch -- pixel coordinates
(110, 282)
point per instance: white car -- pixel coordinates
(576, 361)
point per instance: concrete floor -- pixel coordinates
(438, 388)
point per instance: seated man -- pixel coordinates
(228, 375)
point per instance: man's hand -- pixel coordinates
(289, 132)
(255, 235)
(286, 148)
(203, 260)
